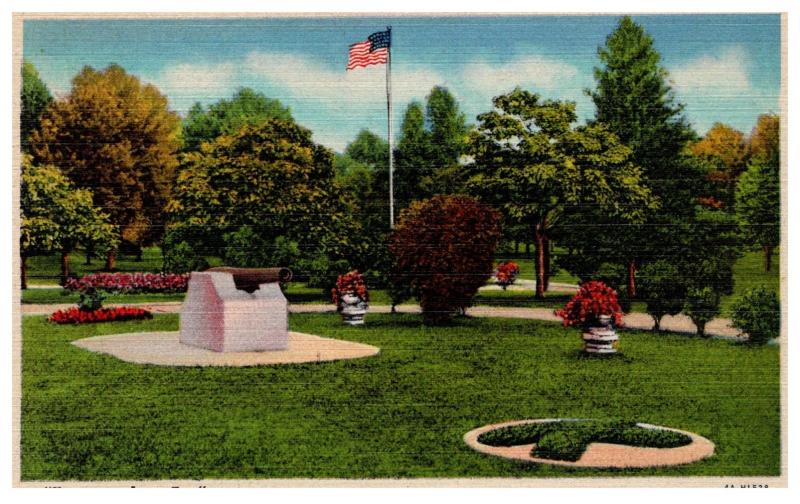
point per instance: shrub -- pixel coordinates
(319, 271)
(506, 273)
(90, 299)
(182, 258)
(351, 283)
(568, 439)
(115, 314)
(758, 314)
(663, 290)
(247, 249)
(443, 249)
(130, 283)
(593, 300)
(702, 305)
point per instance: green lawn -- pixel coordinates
(749, 272)
(527, 270)
(399, 414)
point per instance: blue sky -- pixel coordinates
(724, 68)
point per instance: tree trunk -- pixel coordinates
(527, 249)
(657, 323)
(767, 258)
(88, 257)
(23, 272)
(701, 329)
(138, 253)
(632, 279)
(539, 251)
(111, 260)
(547, 254)
(64, 266)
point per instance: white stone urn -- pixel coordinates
(601, 338)
(353, 309)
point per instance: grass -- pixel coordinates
(748, 272)
(527, 271)
(401, 413)
(59, 295)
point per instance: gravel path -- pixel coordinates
(719, 327)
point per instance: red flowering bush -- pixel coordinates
(593, 299)
(131, 283)
(506, 273)
(119, 313)
(350, 283)
(443, 252)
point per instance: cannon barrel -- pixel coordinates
(248, 279)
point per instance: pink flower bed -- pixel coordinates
(116, 314)
(131, 282)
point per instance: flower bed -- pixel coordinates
(132, 283)
(116, 314)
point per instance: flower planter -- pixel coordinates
(600, 338)
(353, 309)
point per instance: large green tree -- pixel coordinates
(531, 162)
(35, 99)
(414, 166)
(432, 141)
(57, 217)
(634, 99)
(204, 124)
(758, 206)
(116, 136)
(271, 177)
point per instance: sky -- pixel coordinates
(723, 68)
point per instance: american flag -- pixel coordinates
(373, 51)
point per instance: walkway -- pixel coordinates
(719, 327)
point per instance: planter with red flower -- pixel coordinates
(351, 298)
(506, 273)
(595, 309)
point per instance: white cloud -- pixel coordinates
(533, 72)
(307, 79)
(724, 72)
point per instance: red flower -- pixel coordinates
(593, 299)
(506, 273)
(131, 282)
(118, 313)
(350, 283)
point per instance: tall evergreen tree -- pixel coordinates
(633, 98)
(414, 167)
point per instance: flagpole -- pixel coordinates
(389, 117)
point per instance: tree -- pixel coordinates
(448, 139)
(632, 97)
(432, 140)
(444, 251)
(270, 177)
(530, 162)
(414, 166)
(758, 206)
(56, 217)
(726, 149)
(116, 136)
(228, 116)
(765, 141)
(35, 98)
(369, 149)
(663, 289)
